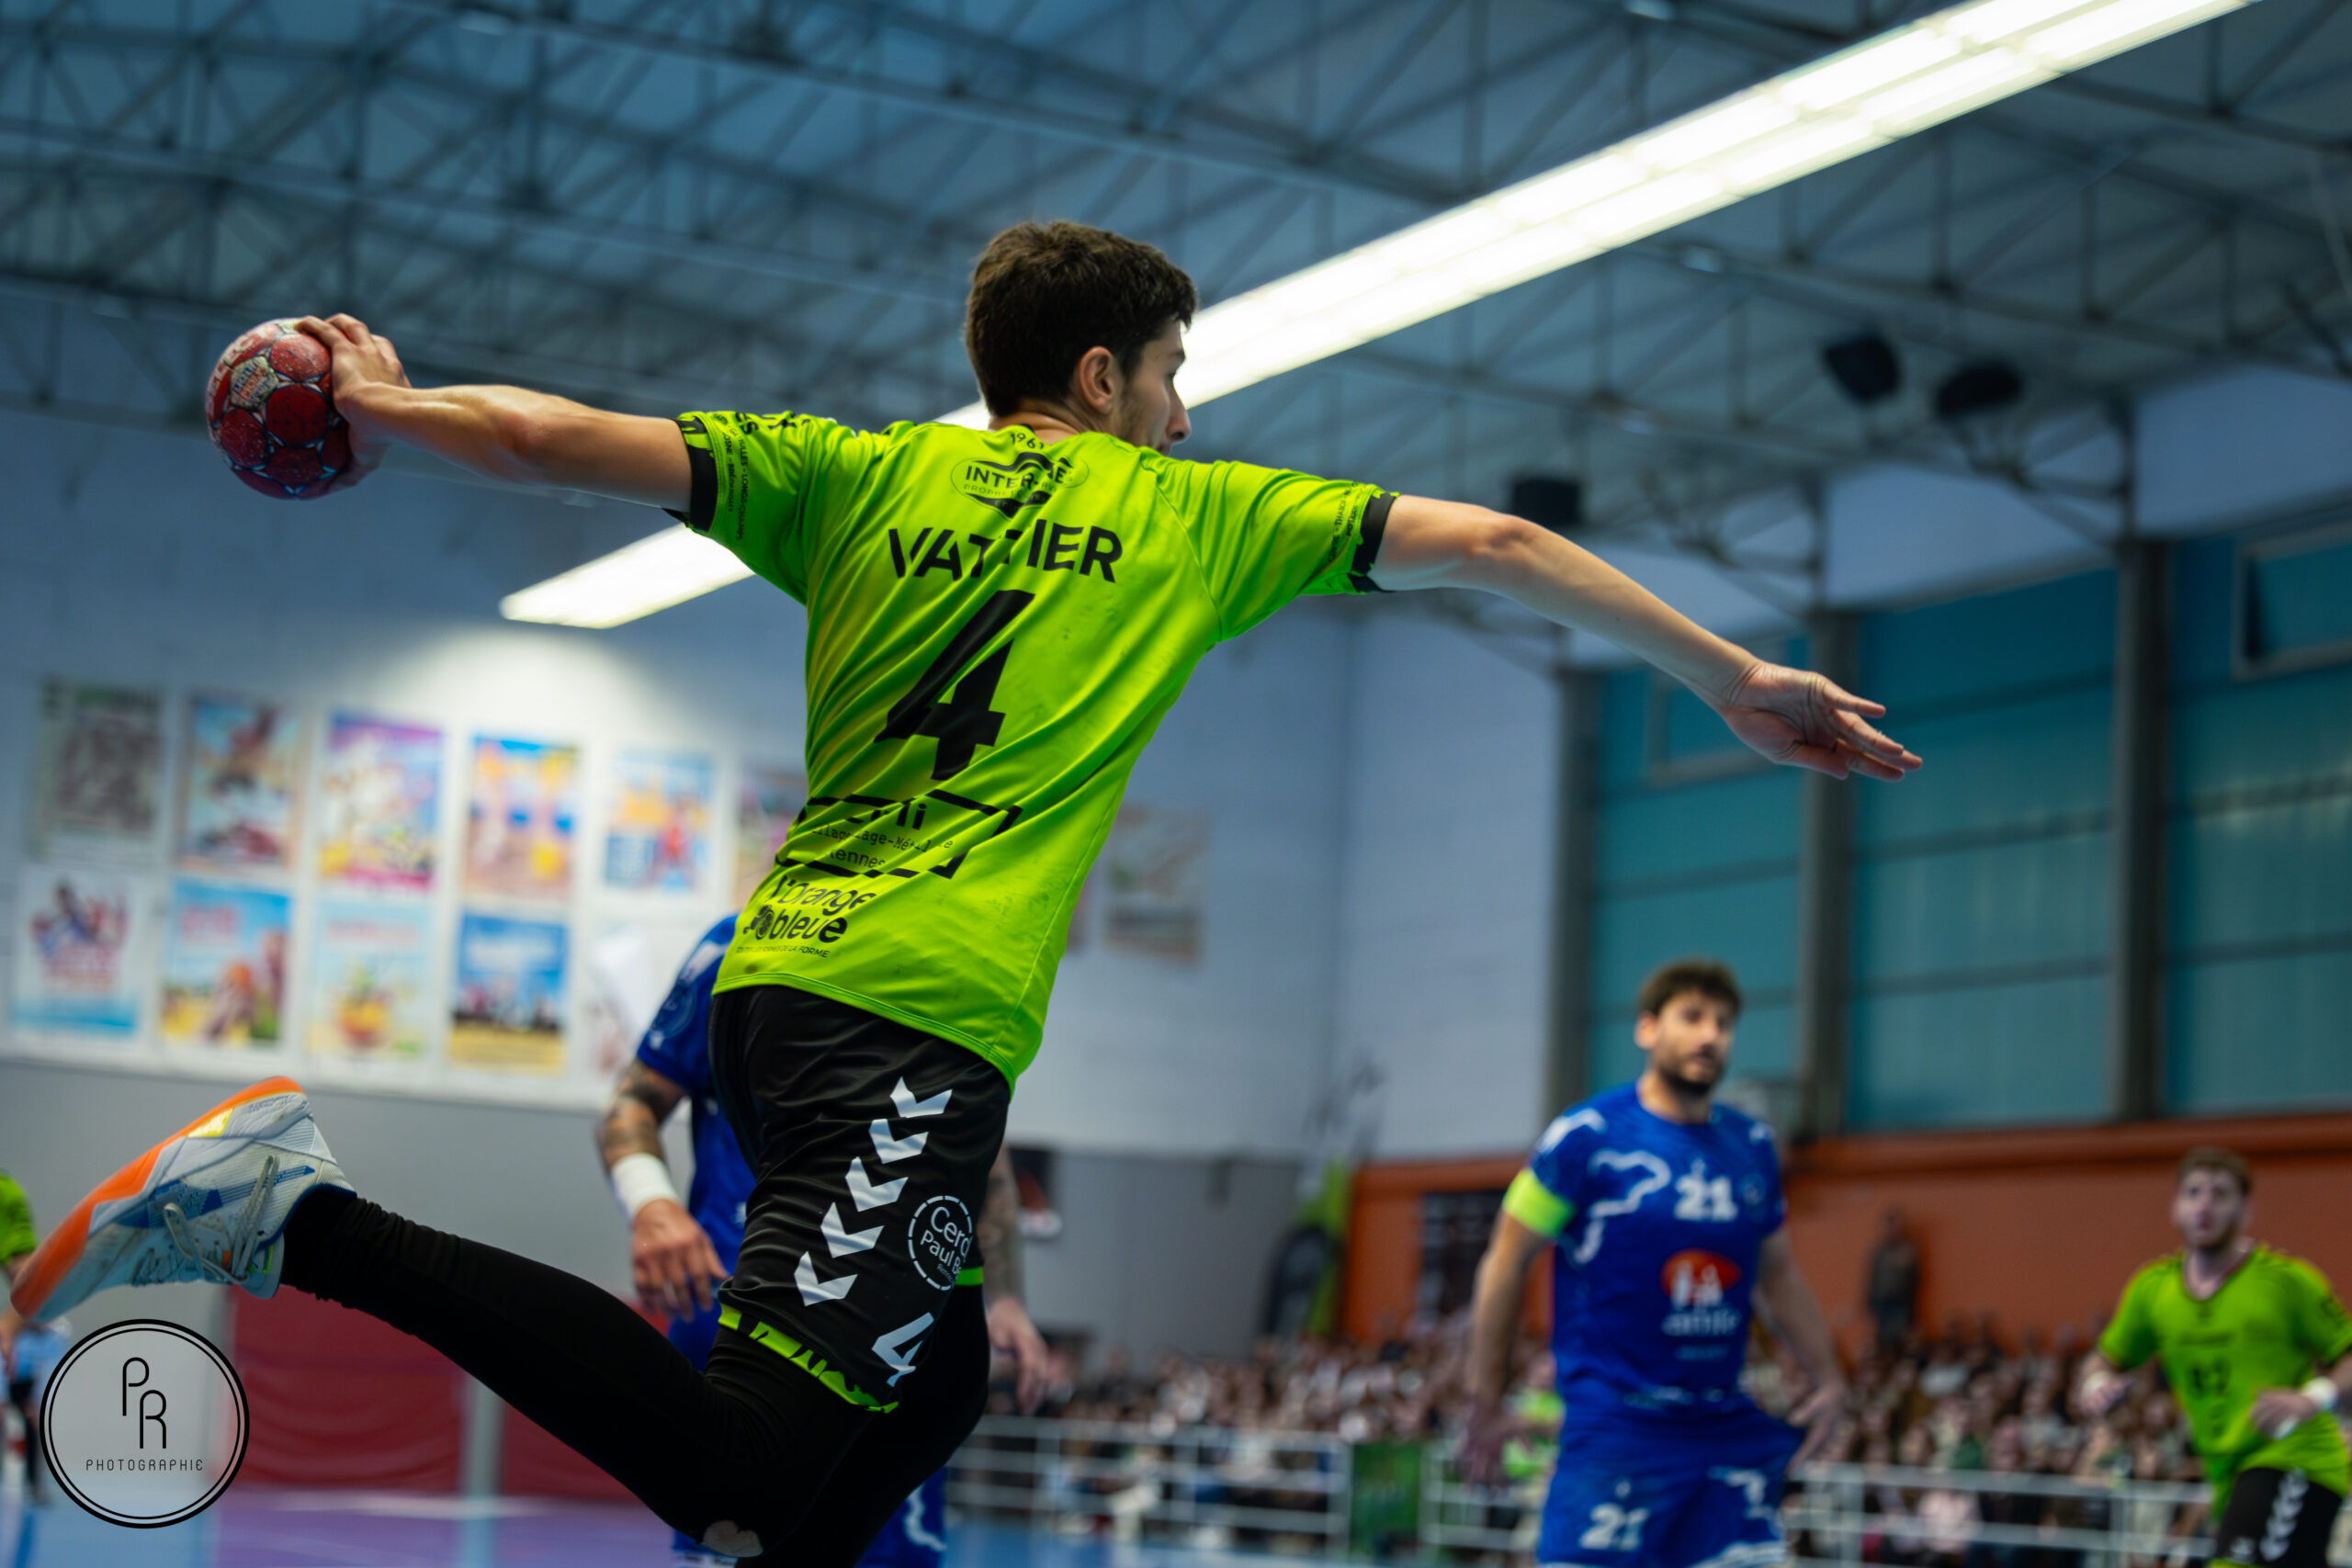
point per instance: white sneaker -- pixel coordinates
(208, 1203)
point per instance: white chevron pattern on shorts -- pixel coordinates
(867, 1193)
(813, 1289)
(841, 1242)
(908, 1106)
(889, 1149)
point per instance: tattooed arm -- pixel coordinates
(671, 1260)
(1010, 1331)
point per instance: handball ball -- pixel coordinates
(272, 413)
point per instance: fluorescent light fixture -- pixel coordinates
(654, 573)
(1888, 87)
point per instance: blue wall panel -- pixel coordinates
(1980, 920)
(2260, 1035)
(2026, 763)
(2023, 905)
(1997, 643)
(2259, 960)
(1741, 824)
(1981, 1057)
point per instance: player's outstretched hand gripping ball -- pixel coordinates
(270, 406)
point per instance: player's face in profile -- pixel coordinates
(2207, 1209)
(1147, 411)
(1689, 1039)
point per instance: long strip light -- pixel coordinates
(1877, 92)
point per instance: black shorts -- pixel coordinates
(2276, 1518)
(870, 1142)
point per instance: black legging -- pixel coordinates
(753, 1440)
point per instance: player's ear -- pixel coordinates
(1094, 382)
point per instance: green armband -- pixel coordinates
(1536, 1206)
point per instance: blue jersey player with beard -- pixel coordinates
(679, 1251)
(1664, 1216)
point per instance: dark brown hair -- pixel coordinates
(2208, 1157)
(1705, 976)
(1045, 293)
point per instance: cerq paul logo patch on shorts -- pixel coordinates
(145, 1423)
(939, 1238)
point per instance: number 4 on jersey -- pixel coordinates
(966, 721)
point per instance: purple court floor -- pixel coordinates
(390, 1529)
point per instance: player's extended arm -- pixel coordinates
(673, 1265)
(500, 433)
(1794, 1312)
(1011, 1332)
(1494, 1324)
(2279, 1411)
(1790, 716)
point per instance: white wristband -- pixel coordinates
(2323, 1393)
(638, 1180)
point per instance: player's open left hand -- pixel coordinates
(1808, 721)
(675, 1267)
(1818, 1414)
(1479, 1453)
(1012, 1334)
(361, 360)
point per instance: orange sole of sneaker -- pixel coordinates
(62, 1248)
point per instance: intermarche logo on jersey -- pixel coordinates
(145, 1423)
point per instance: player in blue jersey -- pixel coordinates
(679, 1252)
(1664, 1214)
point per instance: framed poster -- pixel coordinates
(765, 803)
(660, 836)
(1151, 878)
(240, 784)
(508, 994)
(522, 815)
(78, 935)
(224, 966)
(379, 803)
(368, 998)
(98, 770)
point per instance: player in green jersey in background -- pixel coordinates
(997, 621)
(2239, 1330)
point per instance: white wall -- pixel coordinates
(1445, 895)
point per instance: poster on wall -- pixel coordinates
(520, 816)
(379, 803)
(240, 784)
(1150, 883)
(77, 940)
(369, 1002)
(507, 995)
(660, 836)
(769, 798)
(98, 770)
(224, 966)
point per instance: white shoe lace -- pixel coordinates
(248, 1231)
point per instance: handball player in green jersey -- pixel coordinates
(2258, 1350)
(997, 620)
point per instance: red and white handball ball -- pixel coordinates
(270, 406)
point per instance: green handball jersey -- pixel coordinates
(995, 626)
(2272, 1322)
